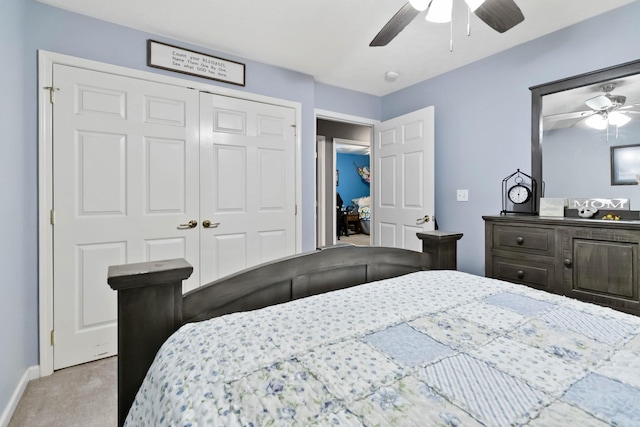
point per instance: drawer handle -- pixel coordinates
(567, 262)
(520, 274)
(520, 240)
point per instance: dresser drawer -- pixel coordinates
(533, 240)
(536, 274)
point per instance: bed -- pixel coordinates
(364, 213)
(406, 346)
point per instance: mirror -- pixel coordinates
(569, 158)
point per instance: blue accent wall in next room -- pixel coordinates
(350, 184)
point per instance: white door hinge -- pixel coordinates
(52, 90)
(52, 217)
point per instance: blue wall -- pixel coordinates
(18, 202)
(483, 116)
(346, 101)
(482, 131)
(350, 184)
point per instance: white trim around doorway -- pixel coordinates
(345, 118)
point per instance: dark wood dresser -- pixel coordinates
(590, 260)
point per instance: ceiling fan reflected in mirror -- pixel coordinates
(501, 15)
(608, 109)
(605, 110)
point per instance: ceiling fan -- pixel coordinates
(604, 110)
(501, 15)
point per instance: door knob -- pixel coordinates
(191, 224)
(422, 220)
(208, 224)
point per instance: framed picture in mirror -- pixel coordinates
(625, 165)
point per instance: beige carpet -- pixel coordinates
(84, 395)
(355, 239)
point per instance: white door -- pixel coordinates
(247, 182)
(403, 176)
(125, 177)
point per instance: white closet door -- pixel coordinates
(247, 182)
(125, 173)
(404, 179)
(134, 163)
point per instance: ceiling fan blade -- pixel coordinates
(600, 102)
(563, 120)
(569, 116)
(634, 107)
(401, 19)
(501, 15)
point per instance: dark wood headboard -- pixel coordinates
(151, 305)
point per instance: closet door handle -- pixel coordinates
(520, 240)
(208, 224)
(567, 262)
(422, 220)
(191, 224)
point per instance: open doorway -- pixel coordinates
(343, 182)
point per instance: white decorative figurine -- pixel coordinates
(587, 212)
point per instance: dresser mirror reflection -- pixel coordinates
(575, 122)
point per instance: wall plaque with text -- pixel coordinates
(610, 204)
(173, 58)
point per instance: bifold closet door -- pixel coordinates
(145, 171)
(125, 190)
(247, 184)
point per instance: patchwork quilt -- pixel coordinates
(435, 348)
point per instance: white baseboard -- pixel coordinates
(31, 373)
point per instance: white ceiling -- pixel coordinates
(345, 146)
(329, 39)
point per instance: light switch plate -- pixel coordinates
(462, 195)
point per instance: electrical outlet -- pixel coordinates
(462, 195)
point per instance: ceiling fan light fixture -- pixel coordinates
(474, 4)
(618, 119)
(440, 11)
(420, 5)
(597, 122)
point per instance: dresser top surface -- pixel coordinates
(563, 221)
